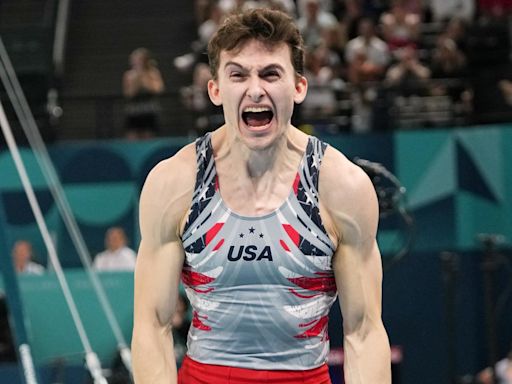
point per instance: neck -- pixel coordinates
(257, 163)
(257, 182)
(19, 266)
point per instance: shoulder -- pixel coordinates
(101, 255)
(342, 175)
(348, 194)
(354, 43)
(127, 252)
(173, 174)
(167, 192)
(327, 19)
(377, 42)
(154, 72)
(129, 74)
(35, 268)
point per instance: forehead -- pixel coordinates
(22, 247)
(255, 53)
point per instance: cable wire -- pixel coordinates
(29, 126)
(41, 223)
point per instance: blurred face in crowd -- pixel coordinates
(139, 59)
(115, 239)
(22, 253)
(366, 28)
(312, 8)
(257, 87)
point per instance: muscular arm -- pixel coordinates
(352, 205)
(164, 201)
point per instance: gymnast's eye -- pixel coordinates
(236, 75)
(271, 75)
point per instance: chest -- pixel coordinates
(255, 197)
(249, 252)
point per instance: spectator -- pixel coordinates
(502, 373)
(443, 10)
(506, 90)
(367, 55)
(335, 38)
(117, 255)
(448, 61)
(201, 10)
(22, 255)
(456, 30)
(313, 22)
(494, 9)
(196, 100)
(319, 65)
(287, 6)
(413, 6)
(408, 74)
(325, 5)
(400, 28)
(213, 14)
(211, 24)
(349, 13)
(449, 72)
(142, 84)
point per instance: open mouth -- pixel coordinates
(257, 116)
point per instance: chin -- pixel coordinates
(259, 138)
(258, 143)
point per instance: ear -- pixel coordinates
(301, 89)
(214, 92)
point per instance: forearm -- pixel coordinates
(153, 356)
(367, 356)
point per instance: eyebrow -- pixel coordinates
(266, 68)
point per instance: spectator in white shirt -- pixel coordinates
(22, 257)
(367, 55)
(313, 22)
(117, 256)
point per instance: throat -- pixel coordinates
(261, 164)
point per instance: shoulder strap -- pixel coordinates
(204, 189)
(308, 175)
(314, 155)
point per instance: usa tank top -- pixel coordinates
(260, 287)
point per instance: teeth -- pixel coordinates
(256, 109)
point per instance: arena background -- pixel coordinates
(457, 180)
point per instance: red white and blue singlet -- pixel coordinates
(260, 287)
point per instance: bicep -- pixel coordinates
(353, 206)
(157, 275)
(358, 273)
(358, 269)
(160, 256)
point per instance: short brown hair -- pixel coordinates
(268, 26)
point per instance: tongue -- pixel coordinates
(258, 119)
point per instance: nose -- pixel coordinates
(255, 90)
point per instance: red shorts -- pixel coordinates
(192, 372)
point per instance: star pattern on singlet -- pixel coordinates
(205, 186)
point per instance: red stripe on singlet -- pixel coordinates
(193, 372)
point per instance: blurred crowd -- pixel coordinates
(373, 63)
